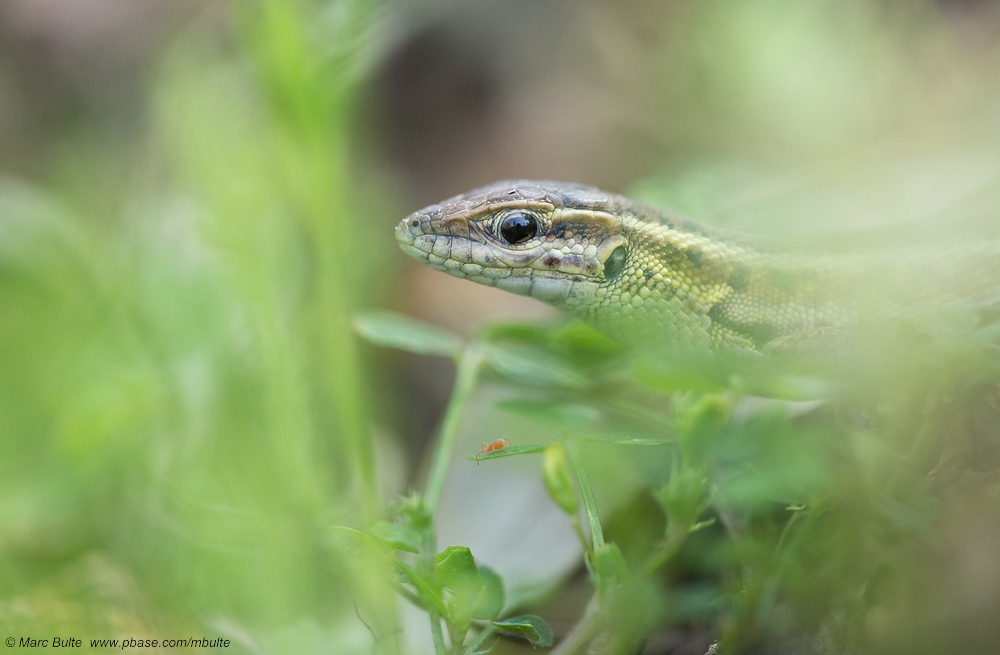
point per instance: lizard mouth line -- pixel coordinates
(480, 272)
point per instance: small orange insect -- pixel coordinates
(499, 444)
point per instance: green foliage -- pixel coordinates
(609, 566)
(683, 499)
(531, 627)
(391, 330)
(455, 570)
(182, 408)
(559, 415)
(492, 602)
(559, 484)
(398, 536)
(449, 585)
(511, 451)
(533, 366)
(769, 503)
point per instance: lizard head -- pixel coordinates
(554, 241)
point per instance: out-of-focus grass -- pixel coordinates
(183, 411)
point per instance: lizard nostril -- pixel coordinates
(414, 223)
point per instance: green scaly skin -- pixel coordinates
(642, 274)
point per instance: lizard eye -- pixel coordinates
(518, 227)
(615, 264)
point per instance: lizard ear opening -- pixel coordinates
(615, 263)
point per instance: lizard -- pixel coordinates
(643, 274)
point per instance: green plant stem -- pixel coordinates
(457, 638)
(779, 549)
(469, 364)
(589, 504)
(579, 533)
(588, 624)
(410, 596)
(417, 580)
(425, 566)
(672, 544)
(919, 457)
(577, 638)
(439, 647)
(481, 638)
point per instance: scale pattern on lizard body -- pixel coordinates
(642, 274)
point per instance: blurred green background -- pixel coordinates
(195, 196)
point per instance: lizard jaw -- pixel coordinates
(545, 274)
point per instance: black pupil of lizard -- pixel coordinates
(615, 263)
(518, 227)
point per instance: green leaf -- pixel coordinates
(683, 498)
(790, 387)
(699, 420)
(572, 417)
(358, 538)
(702, 524)
(672, 378)
(586, 493)
(531, 333)
(429, 591)
(532, 366)
(628, 438)
(414, 511)
(455, 568)
(392, 330)
(558, 481)
(610, 566)
(578, 337)
(701, 415)
(492, 603)
(529, 626)
(510, 451)
(398, 536)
